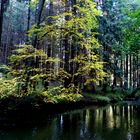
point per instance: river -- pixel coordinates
(116, 122)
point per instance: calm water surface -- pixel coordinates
(107, 123)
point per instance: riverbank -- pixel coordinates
(29, 110)
(37, 104)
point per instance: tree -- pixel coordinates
(113, 22)
(29, 67)
(3, 7)
(132, 42)
(75, 24)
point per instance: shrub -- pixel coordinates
(7, 87)
(60, 94)
(101, 98)
(4, 69)
(138, 93)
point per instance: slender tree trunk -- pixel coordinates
(66, 65)
(50, 46)
(73, 66)
(29, 17)
(137, 74)
(105, 59)
(67, 47)
(1, 20)
(40, 9)
(61, 51)
(130, 72)
(50, 22)
(115, 76)
(126, 73)
(134, 76)
(121, 82)
(138, 70)
(38, 19)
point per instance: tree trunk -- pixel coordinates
(38, 19)
(29, 17)
(1, 19)
(73, 66)
(126, 73)
(134, 74)
(121, 82)
(115, 75)
(137, 73)
(130, 72)
(67, 46)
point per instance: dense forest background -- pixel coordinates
(59, 48)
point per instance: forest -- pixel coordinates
(64, 51)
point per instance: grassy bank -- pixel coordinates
(55, 103)
(31, 108)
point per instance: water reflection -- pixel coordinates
(110, 123)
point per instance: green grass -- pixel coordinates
(138, 94)
(97, 97)
(108, 97)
